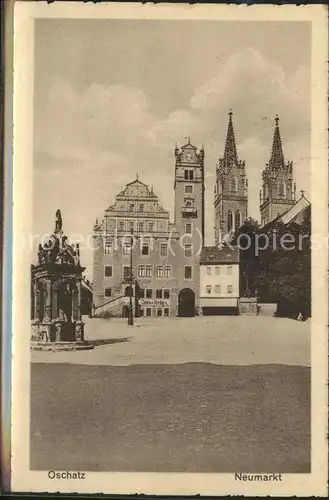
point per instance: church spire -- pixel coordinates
(230, 153)
(277, 158)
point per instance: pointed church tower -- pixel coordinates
(231, 188)
(278, 192)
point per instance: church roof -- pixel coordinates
(230, 151)
(277, 156)
(295, 211)
(219, 255)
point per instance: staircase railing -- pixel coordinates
(108, 302)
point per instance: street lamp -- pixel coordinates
(131, 313)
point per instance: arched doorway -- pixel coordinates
(186, 303)
(128, 291)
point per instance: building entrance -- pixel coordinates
(186, 303)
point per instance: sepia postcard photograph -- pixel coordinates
(170, 249)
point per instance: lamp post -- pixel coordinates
(131, 313)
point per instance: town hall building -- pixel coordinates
(136, 234)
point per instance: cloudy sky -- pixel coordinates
(112, 97)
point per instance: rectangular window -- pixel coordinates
(188, 272)
(166, 293)
(208, 270)
(141, 227)
(217, 270)
(141, 293)
(159, 271)
(159, 312)
(148, 311)
(126, 249)
(108, 247)
(188, 189)
(121, 226)
(163, 249)
(126, 272)
(131, 207)
(188, 250)
(108, 271)
(217, 288)
(151, 226)
(229, 269)
(108, 292)
(141, 207)
(145, 248)
(191, 175)
(167, 271)
(131, 225)
(188, 228)
(208, 289)
(229, 289)
(158, 293)
(149, 271)
(149, 293)
(141, 271)
(166, 311)
(186, 175)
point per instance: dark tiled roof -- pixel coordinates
(220, 255)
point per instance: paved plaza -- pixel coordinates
(224, 340)
(207, 394)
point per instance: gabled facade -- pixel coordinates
(231, 189)
(164, 256)
(278, 192)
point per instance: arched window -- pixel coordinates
(237, 220)
(281, 187)
(234, 185)
(229, 220)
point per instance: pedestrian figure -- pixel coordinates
(257, 310)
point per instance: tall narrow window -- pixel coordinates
(141, 207)
(126, 272)
(234, 185)
(141, 227)
(188, 272)
(237, 220)
(229, 289)
(208, 289)
(121, 226)
(158, 293)
(167, 271)
(145, 248)
(229, 220)
(229, 270)
(163, 249)
(159, 271)
(149, 271)
(186, 175)
(141, 271)
(108, 271)
(108, 247)
(208, 270)
(281, 187)
(126, 249)
(188, 250)
(217, 288)
(149, 293)
(151, 226)
(188, 228)
(191, 176)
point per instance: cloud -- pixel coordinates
(90, 141)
